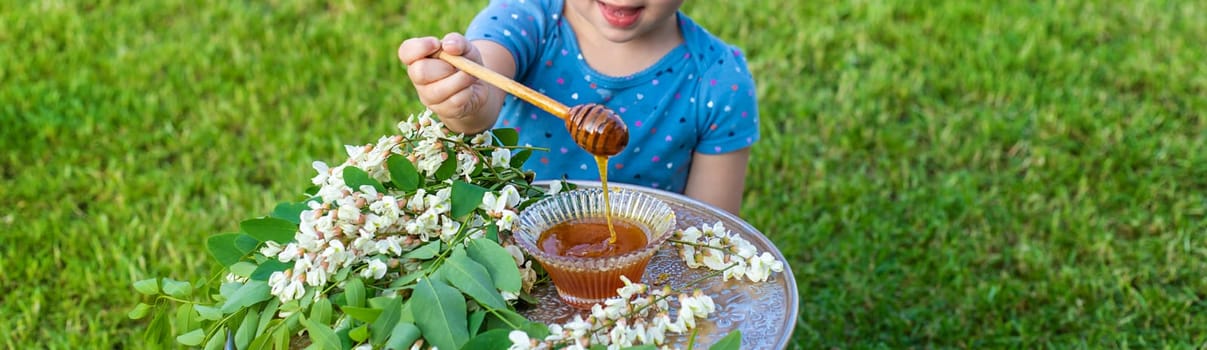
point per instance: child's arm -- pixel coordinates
(464, 103)
(719, 179)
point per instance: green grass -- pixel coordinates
(958, 174)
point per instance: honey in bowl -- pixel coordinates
(589, 237)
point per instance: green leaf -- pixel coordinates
(228, 289)
(402, 336)
(186, 317)
(465, 197)
(496, 259)
(440, 314)
(321, 335)
(291, 212)
(359, 334)
(148, 286)
(732, 341)
(177, 289)
(518, 159)
(320, 311)
(535, 330)
(427, 251)
(250, 293)
(268, 314)
(365, 314)
(139, 311)
(506, 137)
(222, 247)
(448, 168)
(217, 341)
(475, 321)
(489, 340)
(192, 338)
(354, 292)
(391, 308)
(472, 278)
(642, 347)
(355, 177)
(403, 173)
(243, 268)
(492, 232)
(506, 318)
(245, 243)
(266, 268)
(270, 229)
(210, 313)
(247, 329)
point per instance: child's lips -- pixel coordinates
(620, 16)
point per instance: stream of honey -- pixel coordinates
(602, 162)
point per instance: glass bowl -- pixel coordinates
(582, 281)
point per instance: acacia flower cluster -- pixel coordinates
(638, 315)
(719, 249)
(362, 230)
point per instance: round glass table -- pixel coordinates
(764, 312)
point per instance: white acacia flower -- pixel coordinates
(418, 202)
(510, 195)
(520, 341)
(336, 252)
(527, 276)
(630, 289)
(761, 267)
(285, 287)
(714, 259)
(578, 327)
(386, 206)
(425, 225)
(466, 163)
(555, 187)
(354, 152)
(407, 128)
(500, 158)
(323, 172)
(349, 213)
(375, 269)
(391, 245)
(449, 228)
(701, 304)
(271, 248)
(430, 154)
(440, 201)
(491, 203)
(481, 139)
(744, 248)
(289, 253)
(735, 272)
(656, 331)
(506, 220)
(621, 335)
(516, 253)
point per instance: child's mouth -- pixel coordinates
(620, 16)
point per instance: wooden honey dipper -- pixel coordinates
(593, 127)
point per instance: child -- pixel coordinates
(687, 97)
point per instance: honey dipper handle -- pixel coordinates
(507, 84)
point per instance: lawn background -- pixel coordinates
(942, 174)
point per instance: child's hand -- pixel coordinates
(450, 93)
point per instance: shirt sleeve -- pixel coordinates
(517, 25)
(730, 105)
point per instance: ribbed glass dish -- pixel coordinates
(584, 281)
